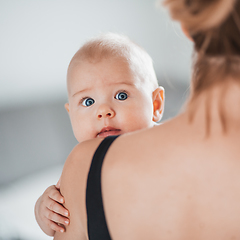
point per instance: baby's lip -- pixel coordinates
(108, 131)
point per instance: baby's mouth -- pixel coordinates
(108, 131)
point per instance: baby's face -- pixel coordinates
(106, 98)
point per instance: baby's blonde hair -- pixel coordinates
(112, 45)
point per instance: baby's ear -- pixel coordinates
(158, 103)
(67, 107)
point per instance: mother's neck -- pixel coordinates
(217, 109)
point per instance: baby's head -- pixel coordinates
(112, 88)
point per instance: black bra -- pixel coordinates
(96, 222)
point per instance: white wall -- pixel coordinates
(39, 37)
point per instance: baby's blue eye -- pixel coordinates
(88, 102)
(121, 96)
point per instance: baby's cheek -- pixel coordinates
(78, 130)
(136, 122)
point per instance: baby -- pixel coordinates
(112, 90)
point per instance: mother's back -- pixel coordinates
(174, 183)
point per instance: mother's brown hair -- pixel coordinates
(214, 26)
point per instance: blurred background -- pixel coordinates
(38, 40)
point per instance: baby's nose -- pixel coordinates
(105, 111)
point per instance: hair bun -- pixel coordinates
(200, 15)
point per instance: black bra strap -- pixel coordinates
(97, 226)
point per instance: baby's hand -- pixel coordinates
(50, 213)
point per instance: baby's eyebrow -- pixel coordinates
(81, 91)
(122, 83)
(114, 83)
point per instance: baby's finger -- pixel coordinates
(58, 184)
(56, 218)
(56, 196)
(57, 208)
(54, 226)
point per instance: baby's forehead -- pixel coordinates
(79, 61)
(129, 69)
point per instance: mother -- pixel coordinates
(179, 180)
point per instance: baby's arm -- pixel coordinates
(51, 216)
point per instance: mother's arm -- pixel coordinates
(73, 188)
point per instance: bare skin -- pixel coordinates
(170, 182)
